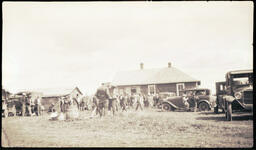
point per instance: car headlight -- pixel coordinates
(238, 95)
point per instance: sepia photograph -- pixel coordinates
(170, 74)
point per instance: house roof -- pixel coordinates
(52, 92)
(152, 76)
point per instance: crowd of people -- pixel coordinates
(105, 101)
(102, 102)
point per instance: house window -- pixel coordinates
(133, 90)
(221, 87)
(180, 87)
(151, 89)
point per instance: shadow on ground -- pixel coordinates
(221, 117)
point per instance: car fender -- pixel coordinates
(170, 103)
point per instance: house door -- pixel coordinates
(179, 87)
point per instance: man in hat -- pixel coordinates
(139, 101)
(102, 100)
(23, 101)
(113, 102)
(38, 106)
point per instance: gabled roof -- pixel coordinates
(55, 92)
(152, 76)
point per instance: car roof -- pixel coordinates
(240, 71)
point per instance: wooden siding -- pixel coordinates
(170, 87)
(190, 85)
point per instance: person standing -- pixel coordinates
(156, 100)
(23, 101)
(185, 101)
(122, 102)
(195, 100)
(145, 100)
(5, 108)
(102, 98)
(150, 100)
(139, 101)
(61, 99)
(37, 106)
(29, 105)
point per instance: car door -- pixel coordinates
(177, 101)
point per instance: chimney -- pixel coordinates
(169, 64)
(141, 66)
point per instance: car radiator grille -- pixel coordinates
(248, 97)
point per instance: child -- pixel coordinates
(54, 115)
(185, 101)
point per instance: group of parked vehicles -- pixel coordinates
(233, 95)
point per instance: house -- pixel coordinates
(151, 81)
(52, 95)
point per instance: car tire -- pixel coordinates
(166, 107)
(203, 106)
(229, 112)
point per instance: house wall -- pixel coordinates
(190, 85)
(170, 87)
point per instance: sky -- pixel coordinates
(67, 44)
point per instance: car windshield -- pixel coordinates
(241, 81)
(203, 92)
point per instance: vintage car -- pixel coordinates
(238, 93)
(205, 100)
(7, 107)
(14, 106)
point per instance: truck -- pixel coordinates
(236, 93)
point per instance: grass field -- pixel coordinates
(149, 128)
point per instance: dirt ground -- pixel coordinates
(148, 128)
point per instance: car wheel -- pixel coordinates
(229, 112)
(166, 107)
(203, 106)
